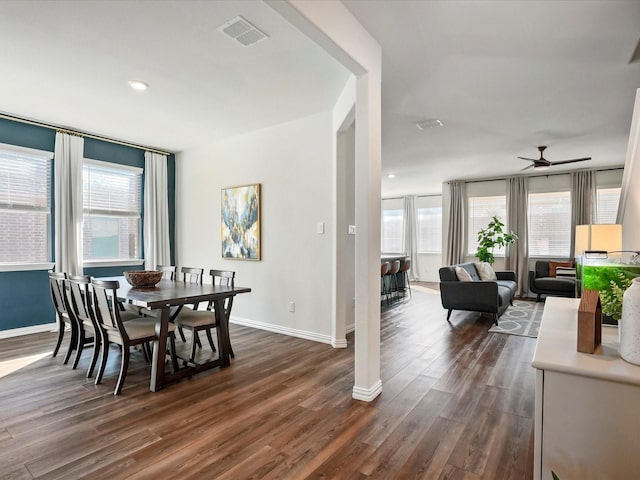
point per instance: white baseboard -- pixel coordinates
(292, 332)
(350, 328)
(16, 332)
(367, 394)
(342, 343)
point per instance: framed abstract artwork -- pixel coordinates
(241, 222)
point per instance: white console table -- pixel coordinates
(587, 407)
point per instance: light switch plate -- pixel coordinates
(320, 227)
(352, 229)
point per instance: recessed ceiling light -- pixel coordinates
(138, 85)
(391, 175)
(429, 123)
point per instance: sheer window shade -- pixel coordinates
(25, 205)
(549, 224)
(112, 211)
(481, 210)
(430, 229)
(607, 210)
(392, 238)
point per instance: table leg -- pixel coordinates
(159, 350)
(222, 331)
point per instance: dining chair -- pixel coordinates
(168, 271)
(112, 329)
(56, 288)
(384, 269)
(198, 320)
(404, 272)
(393, 279)
(188, 275)
(77, 300)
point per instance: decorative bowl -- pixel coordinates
(143, 278)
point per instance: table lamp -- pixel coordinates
(595, 240)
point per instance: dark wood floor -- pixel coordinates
(457, 404)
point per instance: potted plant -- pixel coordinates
(491, 237)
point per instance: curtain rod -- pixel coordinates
(81, 134)
(423, 195)
(535, 176)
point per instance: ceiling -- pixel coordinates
(503, 77)
(69, 63)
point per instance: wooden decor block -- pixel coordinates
(589, 321)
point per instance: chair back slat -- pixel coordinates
(224, 278)
(78, 297)
(168, 271)
(105, 306)
(191, 274)
(56, 284)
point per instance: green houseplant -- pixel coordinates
(491, 237)
(612, 299)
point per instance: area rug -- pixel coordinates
(522, 318)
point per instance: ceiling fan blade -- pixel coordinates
(561, 162)
(529, 159)
(527, 168)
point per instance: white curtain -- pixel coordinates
(455, 234)
(583, 200)
(410, 223)
(68, 155)
(517, 254)
(156, 211)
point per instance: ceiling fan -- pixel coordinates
(542, 163)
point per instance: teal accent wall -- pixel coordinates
(25, 299)
(24, 296)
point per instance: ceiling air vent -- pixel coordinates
(242, 31)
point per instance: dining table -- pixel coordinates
(171, 293)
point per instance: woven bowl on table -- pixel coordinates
(143, 278)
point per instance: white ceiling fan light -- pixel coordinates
(242, 31)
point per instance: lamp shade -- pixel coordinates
(606, 237)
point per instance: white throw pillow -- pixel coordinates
(463, 275)
(485, 271)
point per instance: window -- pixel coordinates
(430, 230)
(549, 224)
(607, 200)
(25, 205)
(392, 230)
(481, 210)
(112, 204)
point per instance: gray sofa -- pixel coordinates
(541, 283)
(477, 296)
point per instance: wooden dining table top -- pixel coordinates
(172, 292)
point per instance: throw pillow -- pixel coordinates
(554, 265)
(565, 272)
(485, 270)
(463, 275)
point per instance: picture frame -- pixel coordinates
(240, 222)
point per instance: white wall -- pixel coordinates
(345, 274)
(629, 214)
(293, 163)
